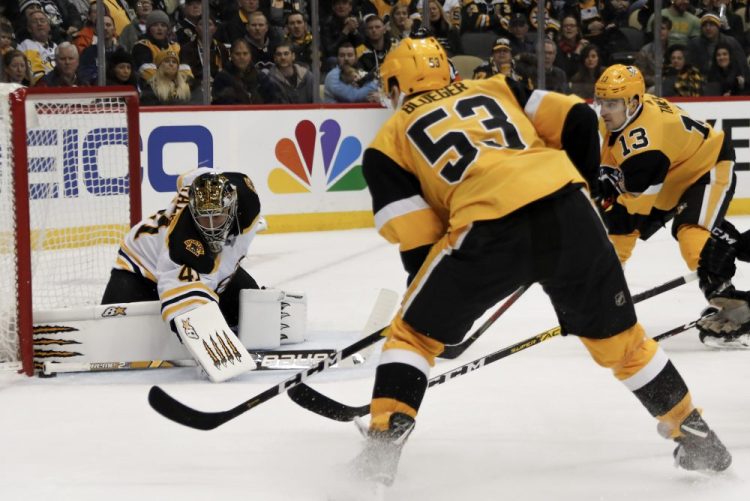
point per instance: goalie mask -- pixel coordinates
(213, 204)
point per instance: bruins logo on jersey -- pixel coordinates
(194, 247)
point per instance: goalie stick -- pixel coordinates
(314, 401)
(176, 411)
(266, 360)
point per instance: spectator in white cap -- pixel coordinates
(62, 15)
(57, 32)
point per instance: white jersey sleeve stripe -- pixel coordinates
(532, 105)
(399, 208)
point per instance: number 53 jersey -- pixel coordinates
(463, 153)
(661, 153)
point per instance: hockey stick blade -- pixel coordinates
(457, 350)
(316, 402)
(176, 411)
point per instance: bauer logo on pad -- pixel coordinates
(114, 311)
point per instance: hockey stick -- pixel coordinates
(178, 412)
(455, 351)
(325, 406)
(266, 360)
(314, 401)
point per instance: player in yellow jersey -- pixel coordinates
(659, 164)
(483, 189)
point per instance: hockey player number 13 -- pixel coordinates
(459, 140)
(637, 139)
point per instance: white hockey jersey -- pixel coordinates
(168, 249)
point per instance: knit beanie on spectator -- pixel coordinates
(164, 54)
(157, 16)
(120, 55)
(710, 17)
(24, 4)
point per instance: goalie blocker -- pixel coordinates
(131, 332)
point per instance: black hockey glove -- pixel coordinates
(716, 265)
(742, 240)
(611, 182)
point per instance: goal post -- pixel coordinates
(67, 158)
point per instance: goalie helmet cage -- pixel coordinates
(67, 156)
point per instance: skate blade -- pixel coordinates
(739, 343)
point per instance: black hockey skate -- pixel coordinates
(379, 459)
(699, 448)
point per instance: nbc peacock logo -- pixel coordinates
(342, 170)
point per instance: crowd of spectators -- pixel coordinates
(261, 51)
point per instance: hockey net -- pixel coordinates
(67, 158)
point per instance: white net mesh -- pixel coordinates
(8, 329)
(78, 201)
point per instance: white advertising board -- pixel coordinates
(302, 161)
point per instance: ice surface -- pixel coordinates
(544, 424)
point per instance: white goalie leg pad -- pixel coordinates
(293, 317)
(211, 342)
(260, 316)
